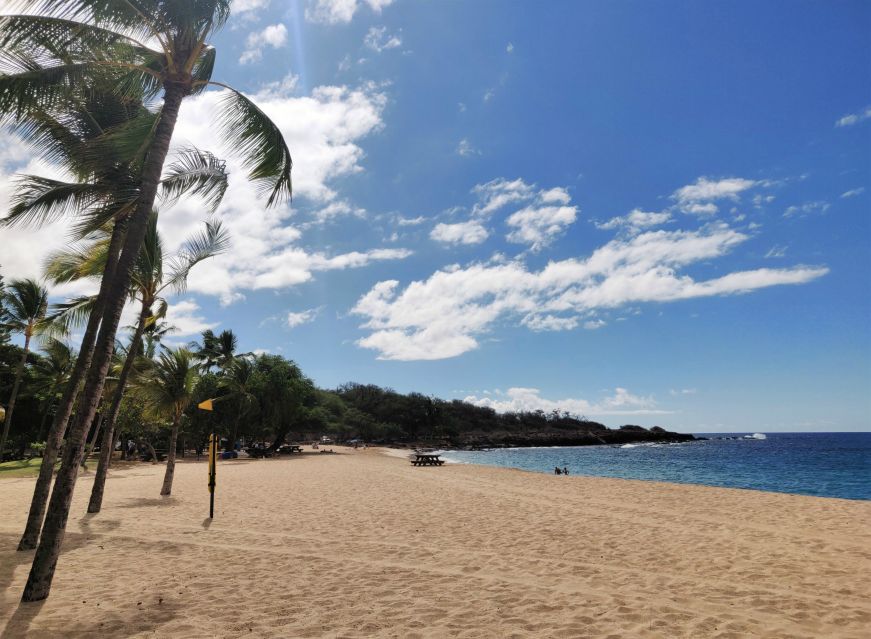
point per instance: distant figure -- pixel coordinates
(557, 471)
(565, 470)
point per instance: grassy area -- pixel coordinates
(21, 468)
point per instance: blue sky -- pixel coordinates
(652, 213)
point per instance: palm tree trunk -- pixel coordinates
(99, 424)
(96, 500)
(65, 408)
(19, 371)
(41, 574)
(170, 457)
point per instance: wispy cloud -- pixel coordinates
(340, 11)
(444, 315)
(853, 192)
(466, 149)
(302, 317)
(519, 399)
(807, 208)
(377, 39)
(854, 118)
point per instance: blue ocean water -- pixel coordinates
(822, 464)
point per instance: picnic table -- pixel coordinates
(289, 449)
(427, 459)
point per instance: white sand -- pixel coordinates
(361, 544)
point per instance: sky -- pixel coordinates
(646, 213)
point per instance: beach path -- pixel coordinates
(362, 544)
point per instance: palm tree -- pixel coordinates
(101, 196)
(239, 379)
(66, 44)
(26, 302)
(153, 274)
(167, 390)
(51, 372)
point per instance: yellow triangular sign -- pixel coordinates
(206, 405)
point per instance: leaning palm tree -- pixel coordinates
(100, 195)
(166, 390)
(51, 373)
(153, 275)
(55, 46)
(26, 302)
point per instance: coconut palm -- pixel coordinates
(100, 197)
(239, 380)
(153, 274)
(55, 46)
(167, 389)
(26, 302)
(51, 372)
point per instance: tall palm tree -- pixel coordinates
(239, 380)
(167, 389)
(59, 45)
(26, 302)
(51, 373)
(101, 196)
(153, 274)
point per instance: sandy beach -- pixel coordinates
(362, 544)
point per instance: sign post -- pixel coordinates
(213, 455)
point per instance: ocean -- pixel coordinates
(820, 464)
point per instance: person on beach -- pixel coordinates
(557, 471)
(565, 470)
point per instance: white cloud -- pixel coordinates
(445, 315)
(500, 192)
(323, 131)
(185, 319)
(275, 36)
(410, 221)
(539, 323)
(538, 226)
(698, 197)
(592, 325)
(853, 192)
(465, 148)
(636, 220)
(242, 6)
(339, 11)
(470, 232)
(336, 209)
(302, 317)
(854, 118)
(510, 48)
(807, 208)
(519, 399)
(377, 39)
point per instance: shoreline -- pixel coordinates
(402, 453)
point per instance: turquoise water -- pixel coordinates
(822, 464)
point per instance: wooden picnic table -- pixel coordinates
(427, 459)
(289, 449)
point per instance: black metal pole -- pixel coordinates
(212, 472)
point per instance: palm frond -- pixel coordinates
(195, 172)
(249, 132)
(37, 200)
(212, 240)
(76, 262)
(72, 313)
(203, 68)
